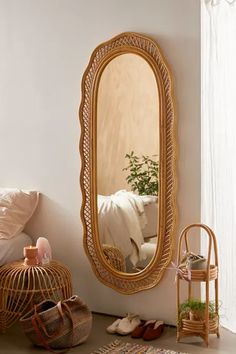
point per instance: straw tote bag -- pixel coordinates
(58, 325)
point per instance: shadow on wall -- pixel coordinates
(54, 222)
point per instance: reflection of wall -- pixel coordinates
(127, 118)
(45, 47)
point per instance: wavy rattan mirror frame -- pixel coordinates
(148, 49)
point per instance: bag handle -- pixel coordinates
(40, 322)
(39, 327)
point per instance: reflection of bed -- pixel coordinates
(149, 249)
(151, 212)
(124, 220)
(12, 249)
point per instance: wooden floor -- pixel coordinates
(15, 342)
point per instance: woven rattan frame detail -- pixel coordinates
(148, 49)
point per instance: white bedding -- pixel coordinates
(12, 249)
(151, 212)
(121, 219)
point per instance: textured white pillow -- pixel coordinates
(12, 250)
(16, 208)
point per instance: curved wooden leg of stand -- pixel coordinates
(206, 339)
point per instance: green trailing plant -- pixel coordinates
(197, 309)
(143, 176)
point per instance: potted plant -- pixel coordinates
(143, 174)
(194, 310)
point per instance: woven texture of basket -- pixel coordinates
(114, 257)
(23, 286)
(58, 325)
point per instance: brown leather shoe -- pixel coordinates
(154, 330)
(139, 330)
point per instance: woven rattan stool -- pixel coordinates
(22, 286)
(114, 257)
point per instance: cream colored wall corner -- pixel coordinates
(45, 47)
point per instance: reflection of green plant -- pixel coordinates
(197, 308)
(143, 176)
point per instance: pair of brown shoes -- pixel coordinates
(148, 330)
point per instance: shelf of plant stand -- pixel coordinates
(189, 327)
(201, 274)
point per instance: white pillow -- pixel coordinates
(12, 250)
(16, 208)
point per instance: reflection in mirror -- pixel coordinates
(128, 162)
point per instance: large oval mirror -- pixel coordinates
(128, 163)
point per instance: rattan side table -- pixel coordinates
(22, 286)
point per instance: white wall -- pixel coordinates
(45, 47)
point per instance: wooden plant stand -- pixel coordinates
(186, 327)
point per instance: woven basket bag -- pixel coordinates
(114, 257)
(58, 325)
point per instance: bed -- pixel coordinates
(12, 249)
(16, 208)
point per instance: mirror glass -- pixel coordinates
(128, 144)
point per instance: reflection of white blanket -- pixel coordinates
(121, 218)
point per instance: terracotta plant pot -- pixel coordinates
(196, 315)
